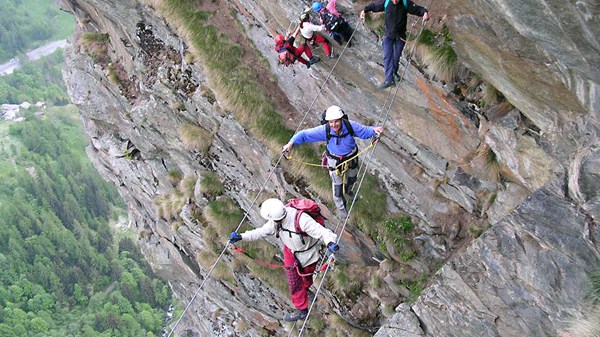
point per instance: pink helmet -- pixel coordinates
(279, 39)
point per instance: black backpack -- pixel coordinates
(346, 122)
(331, 21)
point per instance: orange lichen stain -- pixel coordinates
(450, 120)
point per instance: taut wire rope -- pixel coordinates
(281, 155)
(226, 246)
(402, 77)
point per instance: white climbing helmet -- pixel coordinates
(272, 209)
(333, 112)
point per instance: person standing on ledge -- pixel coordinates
(394, 37)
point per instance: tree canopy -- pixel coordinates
(27, 24)
(63, 271)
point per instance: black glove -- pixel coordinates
(332, 248)
(234, 237)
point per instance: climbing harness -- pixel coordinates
(322, 164)
(340, 169)
(320, 268)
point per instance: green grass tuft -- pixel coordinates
(371, 209)
(174, 177)
(224, 215)
(594, 293)
(195, 138)
(442, 63)
(186, 186)
(588, 325)
(211, 185)
(427, 38)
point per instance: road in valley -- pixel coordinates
(33, 55)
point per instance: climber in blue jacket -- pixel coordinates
(339, 133)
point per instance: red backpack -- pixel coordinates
(285, 56)
(305, 206)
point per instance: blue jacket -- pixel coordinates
(336, 146)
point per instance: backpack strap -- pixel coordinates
(405, 2)
(297, 226)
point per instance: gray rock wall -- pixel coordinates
(524, 276)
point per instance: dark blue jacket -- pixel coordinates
(396, 16)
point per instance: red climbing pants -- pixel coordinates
(298, 284)
(318, 39)
(302, 49)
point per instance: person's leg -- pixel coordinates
(306, 50)
(337, 187)
(398, 46)
(337, 37)
(307, 281)
(346, 32)
(298, 53)
(388, 59)
(322, 41)
(298, 293)
(351, 176)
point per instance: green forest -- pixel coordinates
(28, 24)
(36, 81)
(64, 271)
(67, 270)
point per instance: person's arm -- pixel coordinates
(365, 132)
(417, 10)
(296, 31)
(317, 28)
(331, 8)
(291, 40)
(374, 7)
(258, 233)
(312, 135)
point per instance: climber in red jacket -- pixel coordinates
(288, 53)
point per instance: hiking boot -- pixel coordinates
(387, 84)
(343, 213)
(307, 64)
(296, 315)
(314, 60)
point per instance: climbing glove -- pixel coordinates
(332, 248)
(234, 237)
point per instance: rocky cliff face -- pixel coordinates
(129, 71)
